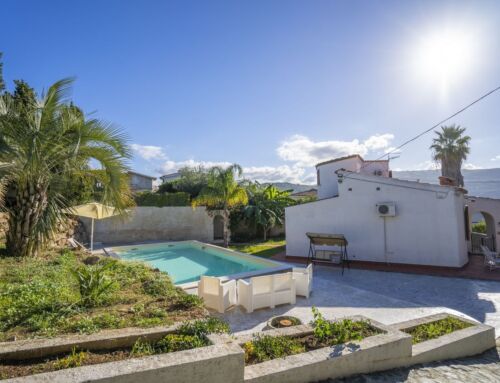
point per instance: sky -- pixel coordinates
(275, 86)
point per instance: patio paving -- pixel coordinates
(384, 296)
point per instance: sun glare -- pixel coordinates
(444, 56)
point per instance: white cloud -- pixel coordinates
(496, 158)
(283, 173)
(305, 152)
(149, 152)
(378, 142)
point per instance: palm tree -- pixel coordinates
(223, 193)
(43, 146)
(451, 148)
(266, 207)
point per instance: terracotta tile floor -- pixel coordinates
(474, 269)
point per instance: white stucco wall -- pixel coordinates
(155, 223)
(429, 228)
(328, 185)
(491, 207)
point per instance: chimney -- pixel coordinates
(447, 181)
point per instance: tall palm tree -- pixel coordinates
(223, 193)
(451, 148)
(266, 206)
(41, 147)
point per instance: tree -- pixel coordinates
(191, 180)
(266, 206)
(451, 148)
(44, 147)
(223, 192)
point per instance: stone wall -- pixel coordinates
(170, 223)
(63, 231)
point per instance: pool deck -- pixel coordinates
(387, 297)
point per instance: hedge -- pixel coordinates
(162, 199)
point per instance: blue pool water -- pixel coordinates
(187, 262)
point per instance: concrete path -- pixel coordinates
(383, 296)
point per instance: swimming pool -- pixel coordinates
(187, 261)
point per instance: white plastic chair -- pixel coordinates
(266, 291)
(216, 294)
(303, 277)
(491, 259)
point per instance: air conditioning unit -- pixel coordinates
(386, 209)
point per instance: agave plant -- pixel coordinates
(223, 193)
(43, 144)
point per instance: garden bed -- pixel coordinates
(332, 349)
(71, 292)
(187, 336)
(324, 334)
(445, 336)
(432, 330)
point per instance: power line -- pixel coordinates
(434, 126)
(440, 122)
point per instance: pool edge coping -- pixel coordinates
(280, 266)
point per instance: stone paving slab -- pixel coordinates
(484, 368)
(384, 296)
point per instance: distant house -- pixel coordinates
(305, 194)
(140, 182)
(170, 177)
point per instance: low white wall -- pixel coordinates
(155, 223)
(429, 228)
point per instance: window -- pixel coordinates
(317, 177)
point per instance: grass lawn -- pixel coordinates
(60, 294)
(265, 249)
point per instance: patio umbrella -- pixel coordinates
(93, 210)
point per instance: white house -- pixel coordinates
(140, 182)
(325, 172)
(423, 224)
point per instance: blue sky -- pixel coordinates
(275, 86)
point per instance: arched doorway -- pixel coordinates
(218, 227)
(482, 232)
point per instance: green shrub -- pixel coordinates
(435, 329)
(336, 332)
(162, 199)
(189, 335)
(479, 227)
(157, 285)
(267, 347)
(93, 282)
(75, 359)
(179, 342)
(142, 348)
(203, 327)
(38, 304)
(187, 301)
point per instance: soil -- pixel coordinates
(14, 369)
